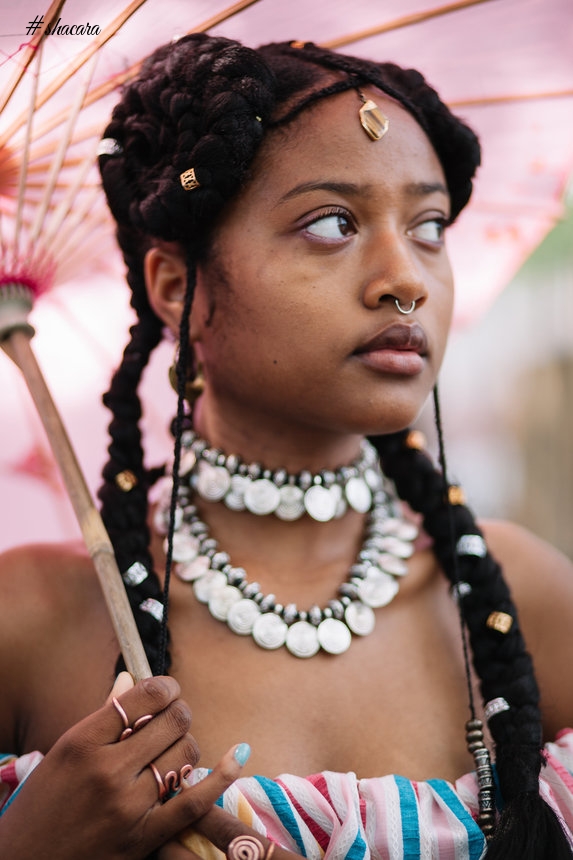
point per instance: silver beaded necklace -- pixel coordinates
(372, 582)
(243, 486)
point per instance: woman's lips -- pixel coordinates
(399, 349)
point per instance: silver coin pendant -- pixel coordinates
(269, 631)
(302, 639)
(320, 503)
(334, 636)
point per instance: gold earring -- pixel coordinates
(194, 386)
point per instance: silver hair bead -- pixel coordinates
(135, 574)
(471, 545)
(496, 706)
(153, 608)
(109, 146)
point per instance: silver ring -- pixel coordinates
(407, 310)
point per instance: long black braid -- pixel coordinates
(205, 103)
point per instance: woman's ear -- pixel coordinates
(166, 281)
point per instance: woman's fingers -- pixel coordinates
(176, 851)
(122, 684)
(238, 840)
(194, 807)
(193, 802)
(147, 698)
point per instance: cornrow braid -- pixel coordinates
(199, 102)
(528, 829)
(126, 480)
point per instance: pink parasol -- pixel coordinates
(504, 65)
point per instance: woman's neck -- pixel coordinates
(273, 444)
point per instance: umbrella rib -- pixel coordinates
(398, 23)
(25, 154)
(76, 221)
(65, 206)
(76, 64)
(59, 159)
(121, 78)
(30, 52)
(510, 97)
(223, 16)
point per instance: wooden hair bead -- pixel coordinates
(456, 495)
(126, 480)
(416, 440)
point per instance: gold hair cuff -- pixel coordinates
(499, 621)
(372, 120)
(188, 180)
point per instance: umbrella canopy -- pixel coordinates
(504, 65)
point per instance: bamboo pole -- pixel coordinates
(17, 346)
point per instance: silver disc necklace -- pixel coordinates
(372, 581)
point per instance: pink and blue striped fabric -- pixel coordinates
(339, 817)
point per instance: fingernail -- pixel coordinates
(122, 683)
(242, 753)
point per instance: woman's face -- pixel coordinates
(295, 316)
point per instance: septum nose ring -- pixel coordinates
(405, 310)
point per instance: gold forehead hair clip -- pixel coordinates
(372, 120)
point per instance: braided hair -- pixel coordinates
(205, 103)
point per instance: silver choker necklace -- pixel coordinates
(241, 486)
(372, 582)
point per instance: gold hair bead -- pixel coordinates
(296, 43)
(188, 180)
(499, 621)
(126, 480)
(416, 440)
(456, 495)
(372, 120)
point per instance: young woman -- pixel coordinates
(282, 211)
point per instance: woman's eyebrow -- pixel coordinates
(423, 189)
(347, 188)
(351, 189)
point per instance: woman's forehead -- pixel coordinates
(329, 137)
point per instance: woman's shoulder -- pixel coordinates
(41, 587)
(541, 582)
(531, 565)
(36, 576)
(54, 632)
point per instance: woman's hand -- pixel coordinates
(225, 832)
(95, 796)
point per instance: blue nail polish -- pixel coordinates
(242, 753)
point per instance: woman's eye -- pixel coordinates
(429, 231)
(332, 226)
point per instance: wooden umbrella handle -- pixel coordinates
(17, 346)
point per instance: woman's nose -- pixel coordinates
(394, 275)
